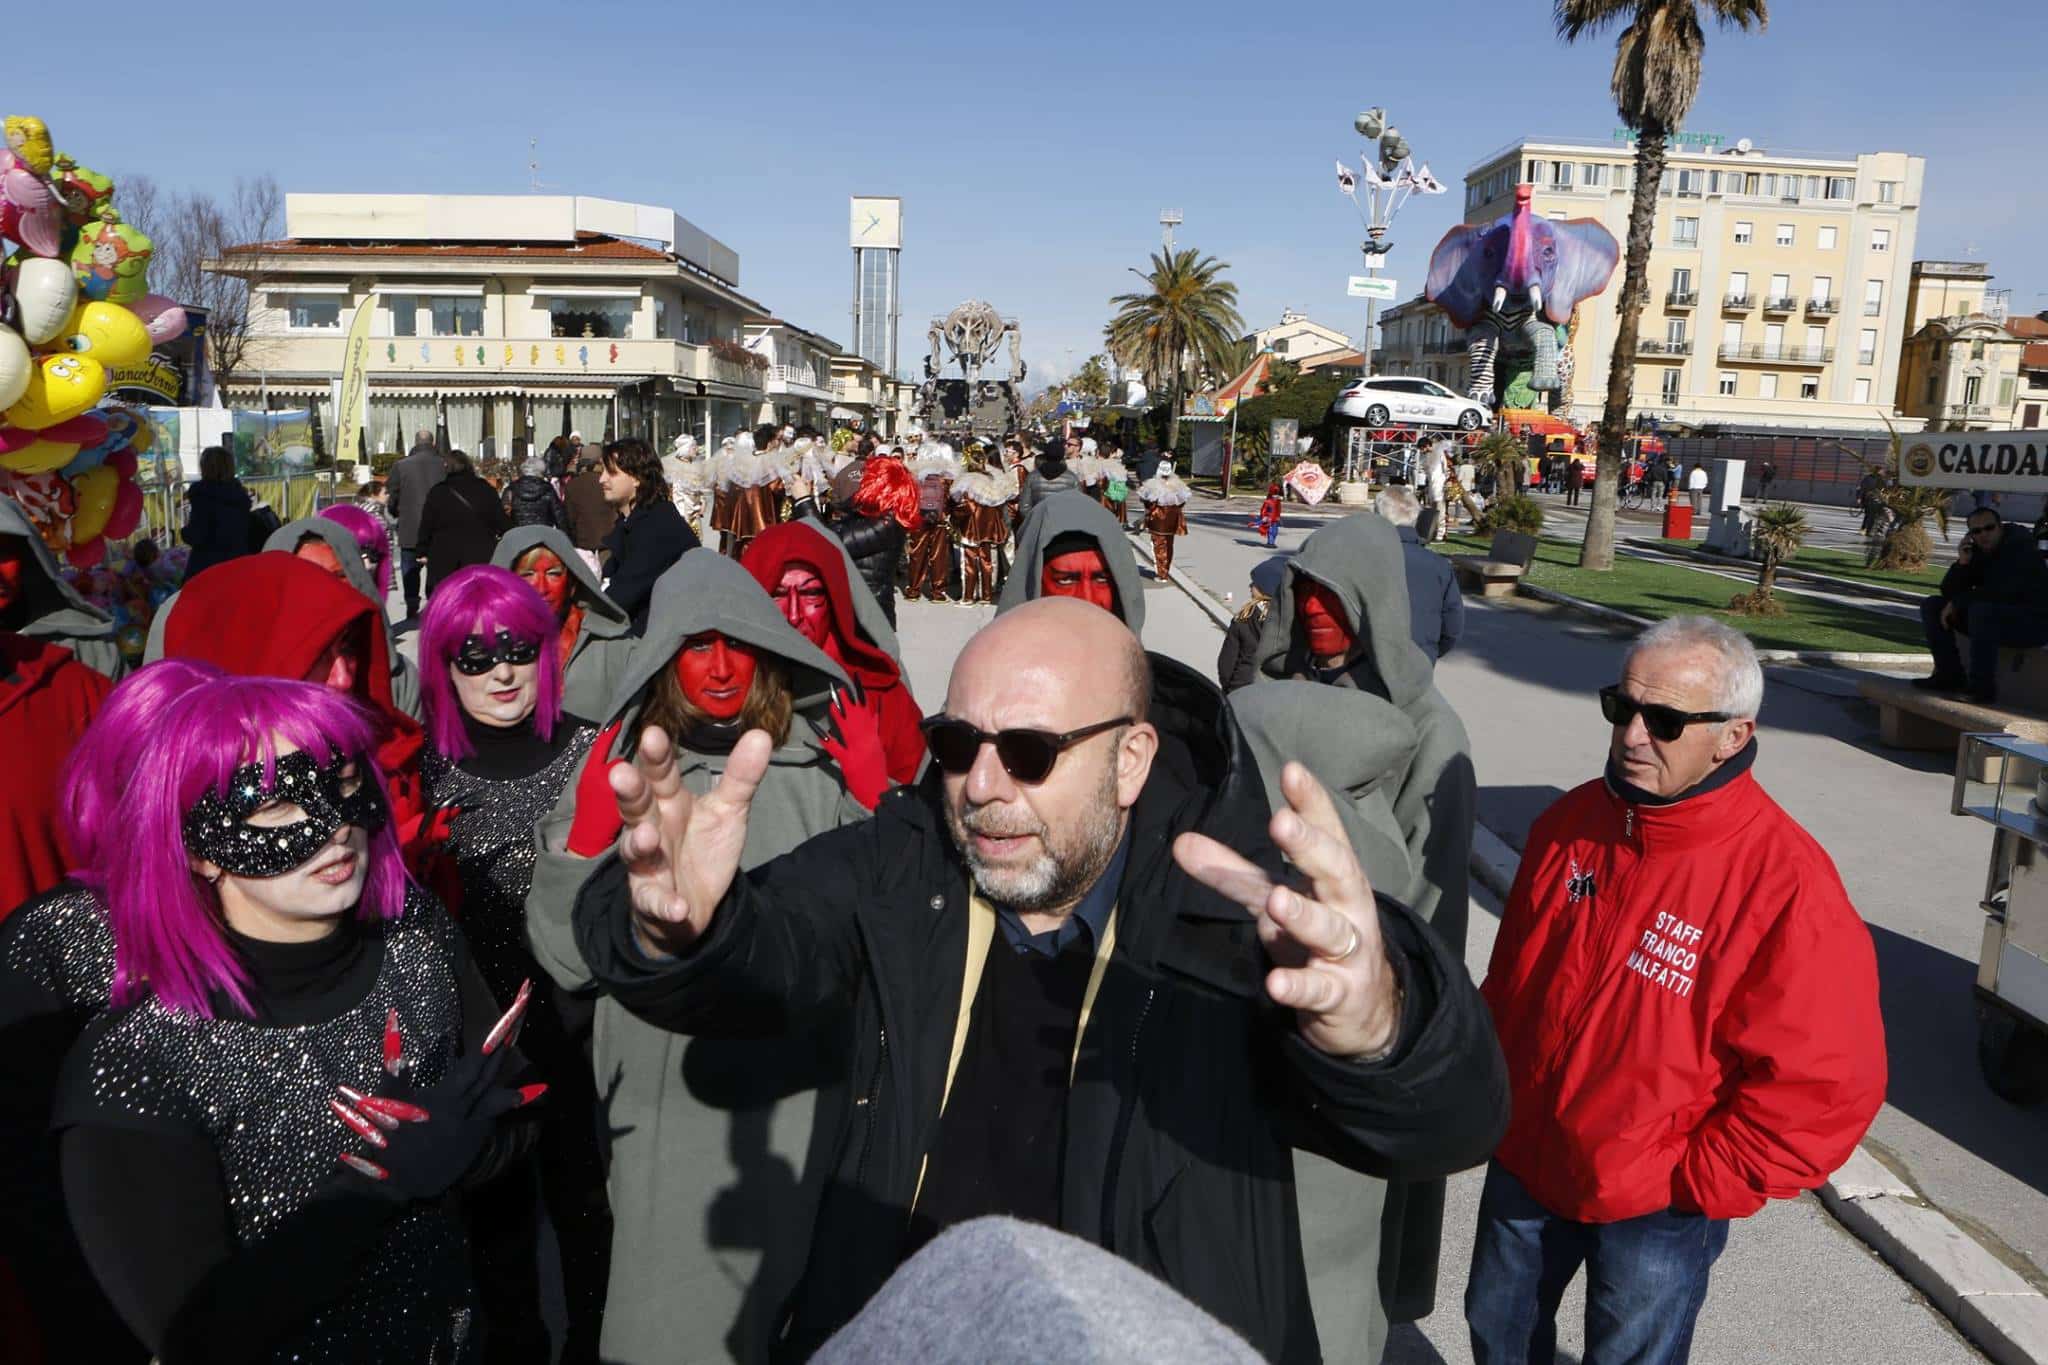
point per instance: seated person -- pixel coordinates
(1997, 595)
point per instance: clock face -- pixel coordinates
(877, 222)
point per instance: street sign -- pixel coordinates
(1373, 287)
(1998, 461)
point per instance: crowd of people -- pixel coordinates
(632, 969)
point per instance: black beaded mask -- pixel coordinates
(217, 827)
(479, 654)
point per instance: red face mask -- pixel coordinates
(550, 578)
(11, 557)
(716, 674)
(337, 666)
(1079, 573)
(801, 596)
(319, 552)
(1321, 614)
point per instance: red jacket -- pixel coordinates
(1688, 1005)
(47, 698)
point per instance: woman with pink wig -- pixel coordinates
(500, 752)
(299, 1060)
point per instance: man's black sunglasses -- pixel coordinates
(1026, 755)
(479, 655)
(1663, 722)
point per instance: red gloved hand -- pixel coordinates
(853, 738)
(423, 842)
(596, 826)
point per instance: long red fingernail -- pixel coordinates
(362, 1167)
(503, 1028)
(394, 1045)
(351, 1094)
(529, 1093)
(364, 1129)
(397, 1109)
(369, 1109)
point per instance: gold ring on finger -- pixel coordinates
(1349, 948)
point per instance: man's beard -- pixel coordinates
(1056, 877)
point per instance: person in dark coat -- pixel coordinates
(530, 500)
(876, 524)
(1995, 595)
(1436, 609)
(1051, 476)
(408, 484)
(217, 529)
(1129, 1064)
(461, 522)
(1236, 662)
(590, 517)
(650, 535)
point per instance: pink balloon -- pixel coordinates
(164, 318)
(127, 513)
(122, 462)
(14, 438)
(86, 429)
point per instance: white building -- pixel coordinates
(1295, 337)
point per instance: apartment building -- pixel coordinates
(1777, 282)
(798, 381)
(1416, 338)
(1963, 366)
(502, 317)
(1296, 337)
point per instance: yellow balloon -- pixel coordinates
(108, 333)
(95, 491)
(39, 457)
(60, 387)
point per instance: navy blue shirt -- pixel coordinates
(1088, 917)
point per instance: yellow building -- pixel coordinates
(1777, 280)
(1963, 366)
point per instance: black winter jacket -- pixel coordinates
(2013, 574)
(218, 528)
(643, 545)
(1190, 1091)
(459, 526)
(876, 545)
(534, 502)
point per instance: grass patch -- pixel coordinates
(1643, 588)
(1849, 564)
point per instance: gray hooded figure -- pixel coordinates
(405, 677)
(704, 1250)
(1375, 729)
(604, 645)
(56, 612)
(1065, 517)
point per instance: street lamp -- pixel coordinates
(1391, 177)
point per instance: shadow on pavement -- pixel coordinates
(1509, 811)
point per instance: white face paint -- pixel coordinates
(503, 697)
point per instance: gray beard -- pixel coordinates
(1055, 878)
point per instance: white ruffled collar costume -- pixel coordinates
(1164, 489)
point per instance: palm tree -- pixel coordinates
(1656, 76)
(1185, 320)
(1775, 535)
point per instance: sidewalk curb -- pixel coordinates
(1186, 582)
(1822, 657)
(1996, 1309)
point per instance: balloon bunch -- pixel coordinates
(130, 585)
(74, 307)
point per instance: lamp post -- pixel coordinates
(1389, 180)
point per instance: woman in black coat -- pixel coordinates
(461, 521)
(218, 528)
(651, 534)
(874, 524)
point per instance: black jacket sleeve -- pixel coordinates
(866, 536)
(430, 518)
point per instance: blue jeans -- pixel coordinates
(1988, 625)
(1645, 1280)
(409, 566)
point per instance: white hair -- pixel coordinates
(1739, 690)
(1397, 505)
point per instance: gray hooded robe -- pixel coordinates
(1063, 514)
(56, 611)
(604, 645)
(708, 1136)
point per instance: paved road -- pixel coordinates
(1793, 1286)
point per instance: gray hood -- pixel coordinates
(56, 610)
(1359, 559)
(1076, 514)
(340, 540)
(867, 609)
(602, 617)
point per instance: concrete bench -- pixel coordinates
(1499, 571)
(1908, 718)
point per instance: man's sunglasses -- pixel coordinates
(479, 656)
(1663, 722)
(1026, 755)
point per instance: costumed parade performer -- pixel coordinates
(341, 540)
(931, 543)
(1166, 515)
(689, 480)
(594, 638)
(981, 519)
(876, 524)
(751, 477)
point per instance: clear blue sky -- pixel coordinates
(1033, 144)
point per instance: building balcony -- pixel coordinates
(1784, 303)
(1737, 303)
(1969, 411)
(1444, 346)
(797, 381)
(510, 362)
(1780, 355)
(1681, 298)
(1657, 346)
(1822, 308)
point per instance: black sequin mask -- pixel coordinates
(480, 654)
(217, 827)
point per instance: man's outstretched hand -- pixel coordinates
(682, 852)
(1330, 966)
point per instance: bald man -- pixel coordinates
(1062, 998)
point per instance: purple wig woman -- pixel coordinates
(98, 767)
(218, 771)
(371, 538)
(489, 626)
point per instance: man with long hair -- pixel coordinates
(651, 533)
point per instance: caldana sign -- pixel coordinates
(1998, 461)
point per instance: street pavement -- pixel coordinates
(1793, 1285)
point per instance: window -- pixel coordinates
(1933, 388)
(1731, 336)
(1785, 234)
(405, 314)
(1887, 191)
(1670, 389)
(1681, 281)
(1774, 340)
(1809, 386)
(1823, 288)
(1532, 171)
(1973, 388)
(1751, 182)
(1685, 232)
(1880, 239)
(1816, 341)
(1813, 187)
(1767, 386)
(1977, 349)
(1862, 391)
(1690, 183)
(1674, 332)
(1873, 298)
(1560, 175)
(1827, 238)
(1713, 182)
(314, 312)
(1744, 231)
(664, 321)
(1841, 187)
(455, 316)
(592, 318)
(2005, 391)
(1596, 174)
(1866, 346)
(1727, 385)
(1781, 287)
(1738, 284)
(1770, 186)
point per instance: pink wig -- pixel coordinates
(100, 764)
(166, 921)
(483, 600)
(371, 538)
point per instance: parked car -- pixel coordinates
(1389, 399)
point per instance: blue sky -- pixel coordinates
(1033, 145)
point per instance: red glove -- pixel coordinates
(423, 843)
(596, 826)
(853, 738)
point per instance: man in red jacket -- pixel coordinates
(1688, 1005)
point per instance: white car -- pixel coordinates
(1389, 400)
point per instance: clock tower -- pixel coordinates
(877, 234)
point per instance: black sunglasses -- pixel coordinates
(1663, 722)
(479, 656)
(1026, 755)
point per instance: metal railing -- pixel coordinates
(1681, 298)
(1784, 303)
(1737, 302)
(1823, 308)
(1784, 355)
(1654, 346)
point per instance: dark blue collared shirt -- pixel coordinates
(1089, 917)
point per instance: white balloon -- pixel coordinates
(15, 367)
(44, 290)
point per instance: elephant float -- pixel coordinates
(1521, 275)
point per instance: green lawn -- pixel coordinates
(1643, 588)
(1849, 564)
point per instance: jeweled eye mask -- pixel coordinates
(217, 827)
(479, 655)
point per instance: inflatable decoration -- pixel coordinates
(29, 139)
(110, 259)
(15, 364)
(109, 334)
(80, 191)
(45, 295)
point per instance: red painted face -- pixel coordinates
(12, 557)
(316, 551)
(801, 595)
(1079, 573)
(716, 674)
(544, 569)
(337, 665)
(1322, 617)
